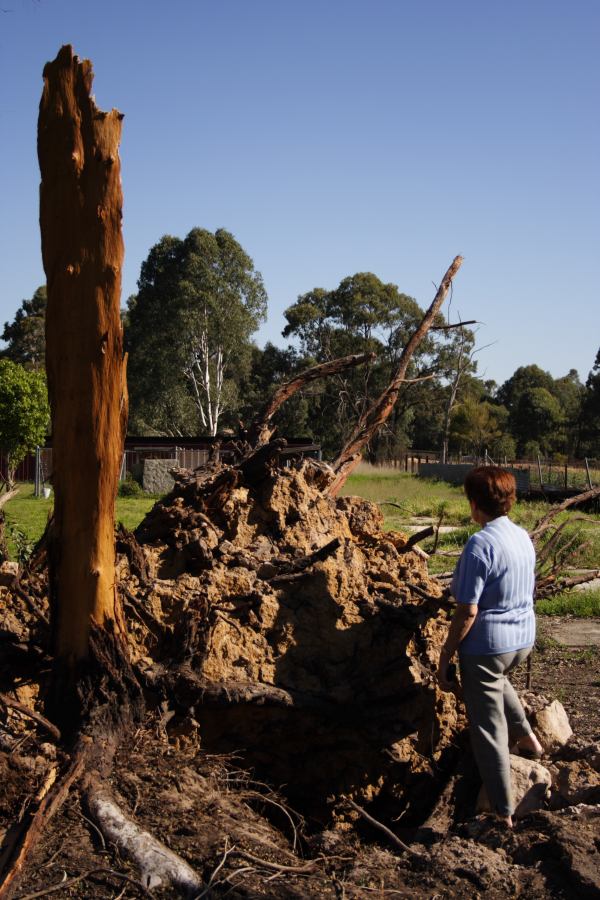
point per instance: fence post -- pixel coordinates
(540, 471)
(566, 475)
(587, 472)
(37, 490)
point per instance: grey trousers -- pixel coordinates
(496, 717)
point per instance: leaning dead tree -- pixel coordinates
(262, 429)
(374, 417)
(80, 218)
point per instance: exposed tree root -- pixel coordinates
(47, 802)
(158, 865)
(31, 714)
(384, 829)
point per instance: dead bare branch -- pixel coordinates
(31, 714)
(545, 522)
(454, 325)
(383, 828)
(159, 865)
(415, 538)
(260, 431)
(378, 413)
(4, 498)
(47, 802)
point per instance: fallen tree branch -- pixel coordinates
(32, 714)
(299, 566)
(553, 585)
(261, 430)
(158, 865)
(4, 498)
(544, 553)
(383, 828)
(545, 522)
(370, 422)
(415, 538)
(47, 802)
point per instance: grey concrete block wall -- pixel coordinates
(455, 473)
(156, 478)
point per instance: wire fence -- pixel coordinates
(542, 473)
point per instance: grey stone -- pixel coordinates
(156, 478)
(531, 782)
(551, 726)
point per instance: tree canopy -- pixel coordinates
(24, 412)
(193, 367)
(25, 335)
(188, 332)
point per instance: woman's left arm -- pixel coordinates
(462, 622)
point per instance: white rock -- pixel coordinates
(8, 571)
(530, 782)
(551, 725)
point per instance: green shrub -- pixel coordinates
(130, 487)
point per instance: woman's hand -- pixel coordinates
(442, 672)
(462, 622)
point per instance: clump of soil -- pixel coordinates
(310, 633)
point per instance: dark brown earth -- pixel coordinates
(254, 794)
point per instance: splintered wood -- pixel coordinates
(80, 217)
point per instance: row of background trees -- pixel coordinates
(194, 368)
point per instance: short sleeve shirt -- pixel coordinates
(496, 573)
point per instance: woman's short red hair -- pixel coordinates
(492, 489)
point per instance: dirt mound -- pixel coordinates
(309, 636)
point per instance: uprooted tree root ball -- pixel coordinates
(296, 630)
(285, 647)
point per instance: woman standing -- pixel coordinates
(493, 629)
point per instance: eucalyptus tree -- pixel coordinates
(188, 331)
(25, 335)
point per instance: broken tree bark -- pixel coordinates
(262, 431)
(377, 414)
(82, 247)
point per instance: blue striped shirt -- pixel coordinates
(496, 573)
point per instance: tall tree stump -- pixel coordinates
(82, 247)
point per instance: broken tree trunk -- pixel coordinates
(376, 415)
(82, 247)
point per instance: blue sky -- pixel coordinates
(339, 136)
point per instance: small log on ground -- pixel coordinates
(159, 866)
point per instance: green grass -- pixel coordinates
(28, 515)
(416, 496)
(581, 604)
(420, 497)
